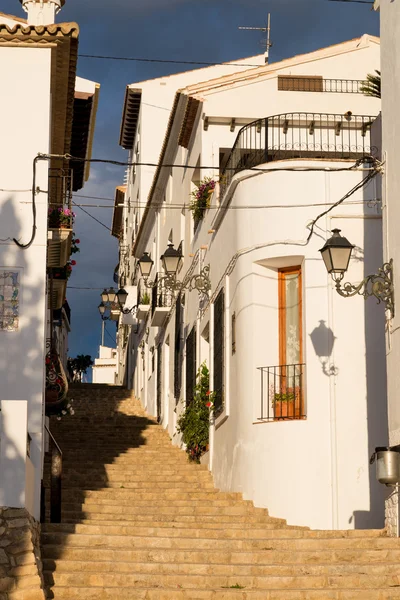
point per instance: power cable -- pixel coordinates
(92, 217)
(166, 61)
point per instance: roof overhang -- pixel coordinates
(83, 125)
(116, 227)
(130, 117)
(377, 4)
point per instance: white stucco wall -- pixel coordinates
(26, 134)
(390, 32)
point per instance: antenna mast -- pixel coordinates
(266, 30)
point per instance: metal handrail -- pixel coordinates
(56, 480)
(298, 135)
(53, 439)
(282, 392)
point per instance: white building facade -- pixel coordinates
(390, 30)
(38, 67)
(105, 367)
(280, 140)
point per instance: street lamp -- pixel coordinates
(145, 265)
(336, 254)
(122, 296)
(172, 260)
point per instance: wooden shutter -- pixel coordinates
(219, 354)
(300, 83)
(191, 348)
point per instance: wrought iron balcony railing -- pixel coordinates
(282, 393)
(161, 296)
(298, 135)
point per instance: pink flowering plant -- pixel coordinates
(61, 217)
(200, 198)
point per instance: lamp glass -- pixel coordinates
(102, 309)
(104, 296)
(114, 314)
(112, 296)
(122, 296)
(145, 265)
(171, 260)
(340, 258)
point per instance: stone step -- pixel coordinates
(69, 482)
(269, 530)
(225, 531)
(136, 593)
(221, 570)
(164, 508)
(115, 495)
(183, 520)
(299, 582)
(211, 557)
(287, 543)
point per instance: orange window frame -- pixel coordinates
(282, 274)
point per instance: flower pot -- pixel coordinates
(143, 311)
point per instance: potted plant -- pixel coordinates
(61, 218)
(144, 306)
(286, 405)
(194, 422)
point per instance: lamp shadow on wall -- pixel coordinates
(323, 341)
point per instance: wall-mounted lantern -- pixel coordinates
(336, 254)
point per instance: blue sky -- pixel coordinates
(177, 30)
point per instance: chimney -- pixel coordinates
(42, 12)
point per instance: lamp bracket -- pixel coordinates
(200, 282)
(379, 285)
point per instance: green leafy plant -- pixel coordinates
(145, 299)
(201, 198)
(75, 245)
(372, 85)
(283, 397)
(194, 422)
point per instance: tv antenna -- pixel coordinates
(266, 30)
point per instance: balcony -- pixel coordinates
(161, 302)
(282, 393)
(59, 235)
(298, 135)
(57, 287)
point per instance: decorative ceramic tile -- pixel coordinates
(9, 300)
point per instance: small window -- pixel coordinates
(233, 334)
(300, 83)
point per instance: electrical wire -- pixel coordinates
(34, 228)
(166, 61)
(92, 217)
(202, 167)
(108, 333)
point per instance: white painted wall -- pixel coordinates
(105, 367)
(390, 32)
(22, 352)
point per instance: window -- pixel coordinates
(191, 348)
(233, 333)
(177, 349)
(300, 83)
(288, 378)
(290, 316)
(219, 348)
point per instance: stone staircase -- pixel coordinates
(141, 522)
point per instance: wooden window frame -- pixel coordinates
(282, 273)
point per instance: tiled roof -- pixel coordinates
(130, 117)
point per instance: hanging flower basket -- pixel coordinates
(200, 201)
